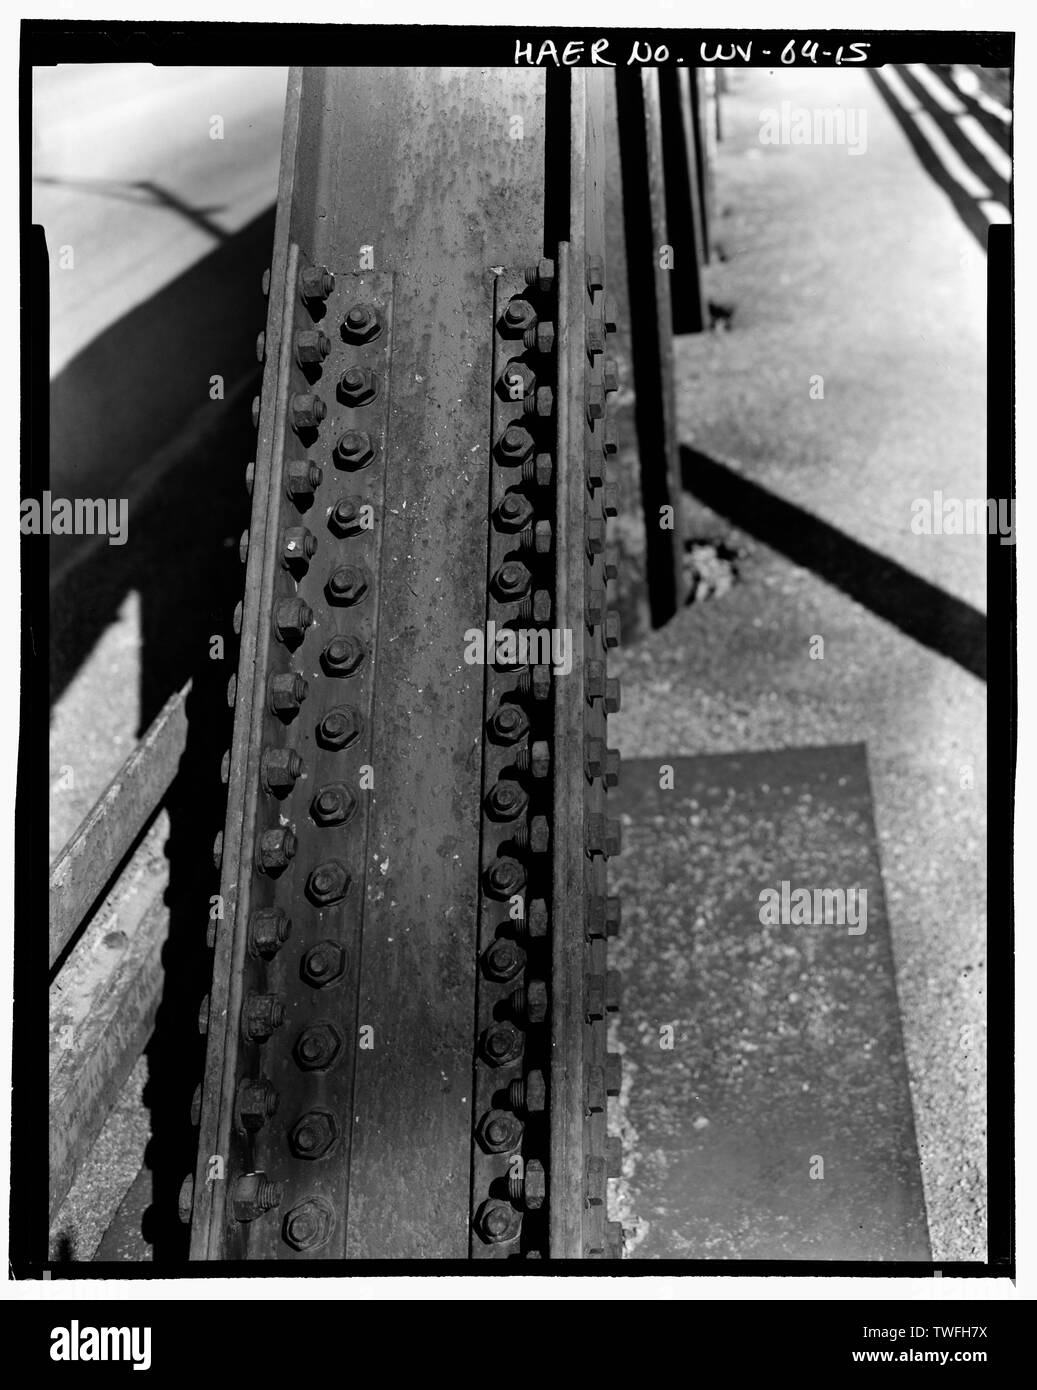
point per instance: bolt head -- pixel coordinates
(501, 1043)
(354, 450)
(256, 1102)
(280, 768)
(342, 656)
(505, 877)
(311, 347)
(515, 444)
(499, 1131)
(291, 619)
(328, 883)
(540, 682)
(334, 804)
(316, 283)
(506, 800)
(361, 324)
(503, 959)
(287, 692)
(534, 1188)
(275, 849)
(317, 1046)
(497, 1221)
(323, 963)
(298, 547)
(536, 1092)
(309, 1224)
(313, 1134)
(339, 727)
(347, 584)
(539, 758)
(536, 1001)
(508, 724)
(268, 929)
(511, 581)
(357, 386)
(261, 1015)
(518, 317)
(514, 512)
(344, 517)
(306, 410)
(301, 479)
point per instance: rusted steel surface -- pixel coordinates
(651, 337)
(381, 1080)
(585, 835)
(102, 1007)
(84, 867)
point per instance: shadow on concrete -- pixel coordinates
(968, 208)
(131, 417)
(923, 612)
(143, 191)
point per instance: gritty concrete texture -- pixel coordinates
(857, 268)
(767, 1085)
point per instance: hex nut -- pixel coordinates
(536, 919)
(347, 584)
(534, 1188)
(505, 877)
(261, 1016)
(503, 959)
(498, 1131)
(268, 929)
(256, 1102)
(518, 318)
(317, 1046)
(298, 547)
(501, 1043)
(323, 963)
(309, 1224)
(311, 347)
(506, 800)
(357, 386)
(306, 410)
(344, 517)
(515, 445)
(328, 883)
(513, 512)
(275, 849)
(508, 724)
(353, 450)
(535, 1092)
(534, 1001)
(333, 804)
(538, 472)
(339, 727)
(292, 616)
(279, 770)
(287, 691)
(361, 324)
(313, 1134)
(511, 581)
(316, 283)
(541, 276)
(540, 338)
(540, 402)
(595, 274)
(497, 1221)
(254, 1194)
(517, 380)
(302, 479)
(342, 656)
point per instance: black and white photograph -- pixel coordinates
(517, 528)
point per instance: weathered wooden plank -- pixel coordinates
(103, 1005)
(85, 866)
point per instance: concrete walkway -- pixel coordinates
(856, 268)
